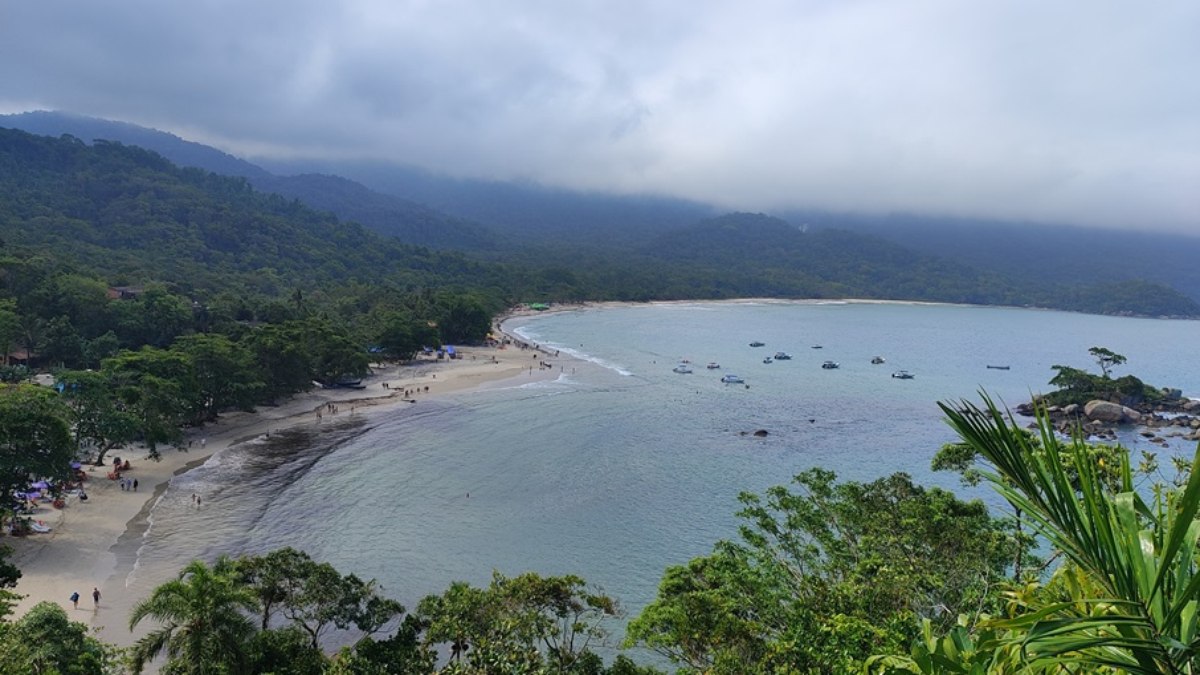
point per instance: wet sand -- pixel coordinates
(94, 543)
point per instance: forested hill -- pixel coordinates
(837, 263)
(1038, 252)
(526, 212)
(129, 215)
(386, 214)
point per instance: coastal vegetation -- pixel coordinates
(497, 219)
(129, 217)
(826, 576)
(1077, 386)
(160, 297)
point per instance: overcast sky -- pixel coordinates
(1080, 112)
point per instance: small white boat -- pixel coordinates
(756, 343)
(782, 356)
(902, 375)
(768, 360)
(682, 369)
(877, 360)
(830, 365)
(732, 379)
(713, 365)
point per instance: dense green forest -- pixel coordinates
(556, 245)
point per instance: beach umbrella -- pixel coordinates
(41, 485)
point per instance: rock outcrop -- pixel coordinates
(1113, 413)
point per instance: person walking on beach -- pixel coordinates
(135, 485)
(75, 599)
(96, 597)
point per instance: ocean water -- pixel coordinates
(620, 467)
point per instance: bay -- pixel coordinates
(620, 467)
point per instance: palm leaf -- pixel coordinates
(1141, 558)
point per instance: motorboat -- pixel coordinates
(999, 367)
(877, 360)
(713, 365)
(818, 346)
(683, 369)
(732, 379)
(782, 356)
(902, 375)
(830, 365)
(768, 360)
(756, 343)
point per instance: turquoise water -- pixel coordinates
(620, 467)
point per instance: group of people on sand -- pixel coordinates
(118, 467)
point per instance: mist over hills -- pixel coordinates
(1038, 252)
(525, 211)
(128, 215)
(569, 245)
(387, 214)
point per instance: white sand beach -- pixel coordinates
(78, 554)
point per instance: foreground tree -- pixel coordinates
(46, 641)
(824, 576)
(312, 596)
(524, 624)
(205, 628)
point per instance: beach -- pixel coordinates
(87, 546)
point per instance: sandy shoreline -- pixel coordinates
(93, 541)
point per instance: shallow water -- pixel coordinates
(621, 467)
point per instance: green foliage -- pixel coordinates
(128, 212)
(223, 372)
(1106, 358)
(402, 336)
(961, 651)
(35, 437)
(100, 419)
(204, 628)
(157, 388)
(1079, 386)
(824, 576)
(463, 319)
(313, 597)
(128, 216)
(524, 624)
(1125, 597)
(44, 640)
